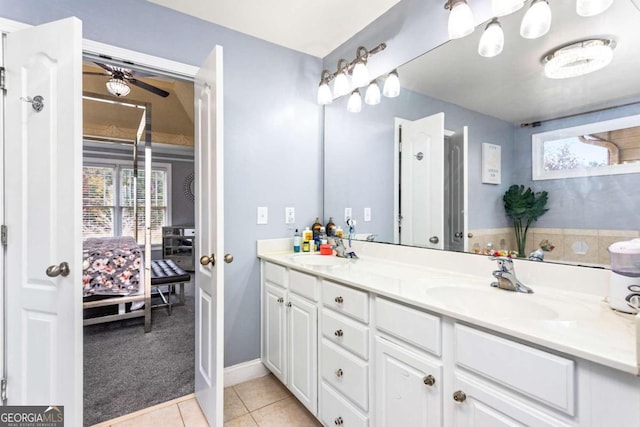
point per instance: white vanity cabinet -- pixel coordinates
(290, 331)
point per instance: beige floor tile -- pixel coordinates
(243, 421)
(166, 417)
(192, 415)
(285, 413)
(233, 406)
(261, 392)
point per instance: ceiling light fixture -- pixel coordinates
(372, 95)
(324, 92)
(391, 87)
(360, 74)
(118, 87)
(355, 102)
(460, 19)
(579, 58)
(537, 20)
(505, 7)
(592, 7)
(492, 40)
(341, 85)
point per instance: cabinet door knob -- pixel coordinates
(289, 304)
(459, 396)
(280, 300)
(429, 380)
(338, 421)
(339, 373)
(339, 300)
(338, 333)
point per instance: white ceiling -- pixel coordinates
(313, 27)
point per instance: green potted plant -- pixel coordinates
(524, 207)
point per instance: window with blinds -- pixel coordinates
(108, 202)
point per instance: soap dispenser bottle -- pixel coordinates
(315, 228)
(331, 227)
(296, 241)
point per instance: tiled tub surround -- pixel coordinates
(579, 246)
(566, 323)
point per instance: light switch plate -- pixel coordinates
(347, 214)
(289, 215)
(367, 214)
(263, 215)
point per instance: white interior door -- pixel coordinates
(42, 167)
(210, 238)
(422, 182)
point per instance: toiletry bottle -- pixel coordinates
(339, 232)
(316, 228)
(306, 246)
(296, 241)
(331, 227)
(322, 238)
(307, 235)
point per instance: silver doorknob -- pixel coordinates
(470, 235)
(434, 239)
(459, 396)
(204, 260)
(58, 270)
(429, 380)
(228, 258)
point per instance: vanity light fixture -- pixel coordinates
(579, 58)
(372, 95)
(505, 7)
(391, 87)
(341, 84)
(492, 40)
(537, 20)
(355, 102)
(460, 19)
(592, 7)
(118, 87)
(360, 75)
(324, 92)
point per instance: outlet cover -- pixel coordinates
(263, 215)
(289, 215)
(367, 214)
(347, 214)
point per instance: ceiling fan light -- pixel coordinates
(118, 87)
(355, 102)
(372, 96)
(341, 85)
(578, 59)
(592, 7)
(460, 19)
(391, 87)
(360, 76)
(537, 20)
(324, 94)
(492, 40)
(505, 7)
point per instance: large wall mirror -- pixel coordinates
(414, 164)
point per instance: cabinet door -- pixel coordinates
(274, 329)
(302, 354)
(480, 404)
(408, 387)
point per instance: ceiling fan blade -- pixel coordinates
(104, 66)
(146, 86)
(91, 73)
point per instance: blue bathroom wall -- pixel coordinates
(272, 129)
(596, 202)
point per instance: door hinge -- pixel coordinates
(2, 76)
(3, 235)
(3, 390)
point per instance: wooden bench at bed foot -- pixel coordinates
(165, 272)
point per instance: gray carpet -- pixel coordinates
(126, 370)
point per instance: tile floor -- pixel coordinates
(263, 402)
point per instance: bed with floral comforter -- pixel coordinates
(111, 266)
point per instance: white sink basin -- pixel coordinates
(321, 260)
(495, 302)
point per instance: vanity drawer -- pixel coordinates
(545, 377)
(303, 284)
(275, 273)
(336, 410)
(346, 333)
(346, 373)
(343, 299)
(414, 326)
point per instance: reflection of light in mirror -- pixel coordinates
(506, 7)
(592, 7)
(372, 96)
(578, 59)
(355, 102)
(492, 40)
(537, 21)
(460, 19)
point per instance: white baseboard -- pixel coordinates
(245, 371)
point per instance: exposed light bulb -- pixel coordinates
(537, 20)
(592, 7)
(391, 87)
(492, 40)
(360, 76)
(324, 93)
(341, 85)
(505, 7)
(372, 96)
(460, 19)
(355, 102)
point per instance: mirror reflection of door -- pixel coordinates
(455, 184)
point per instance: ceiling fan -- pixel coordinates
(121, 78)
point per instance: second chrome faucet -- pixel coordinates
(506, 276)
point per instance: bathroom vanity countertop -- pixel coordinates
(574, 323)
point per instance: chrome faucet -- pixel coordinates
(506, 276)
(338, 245)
